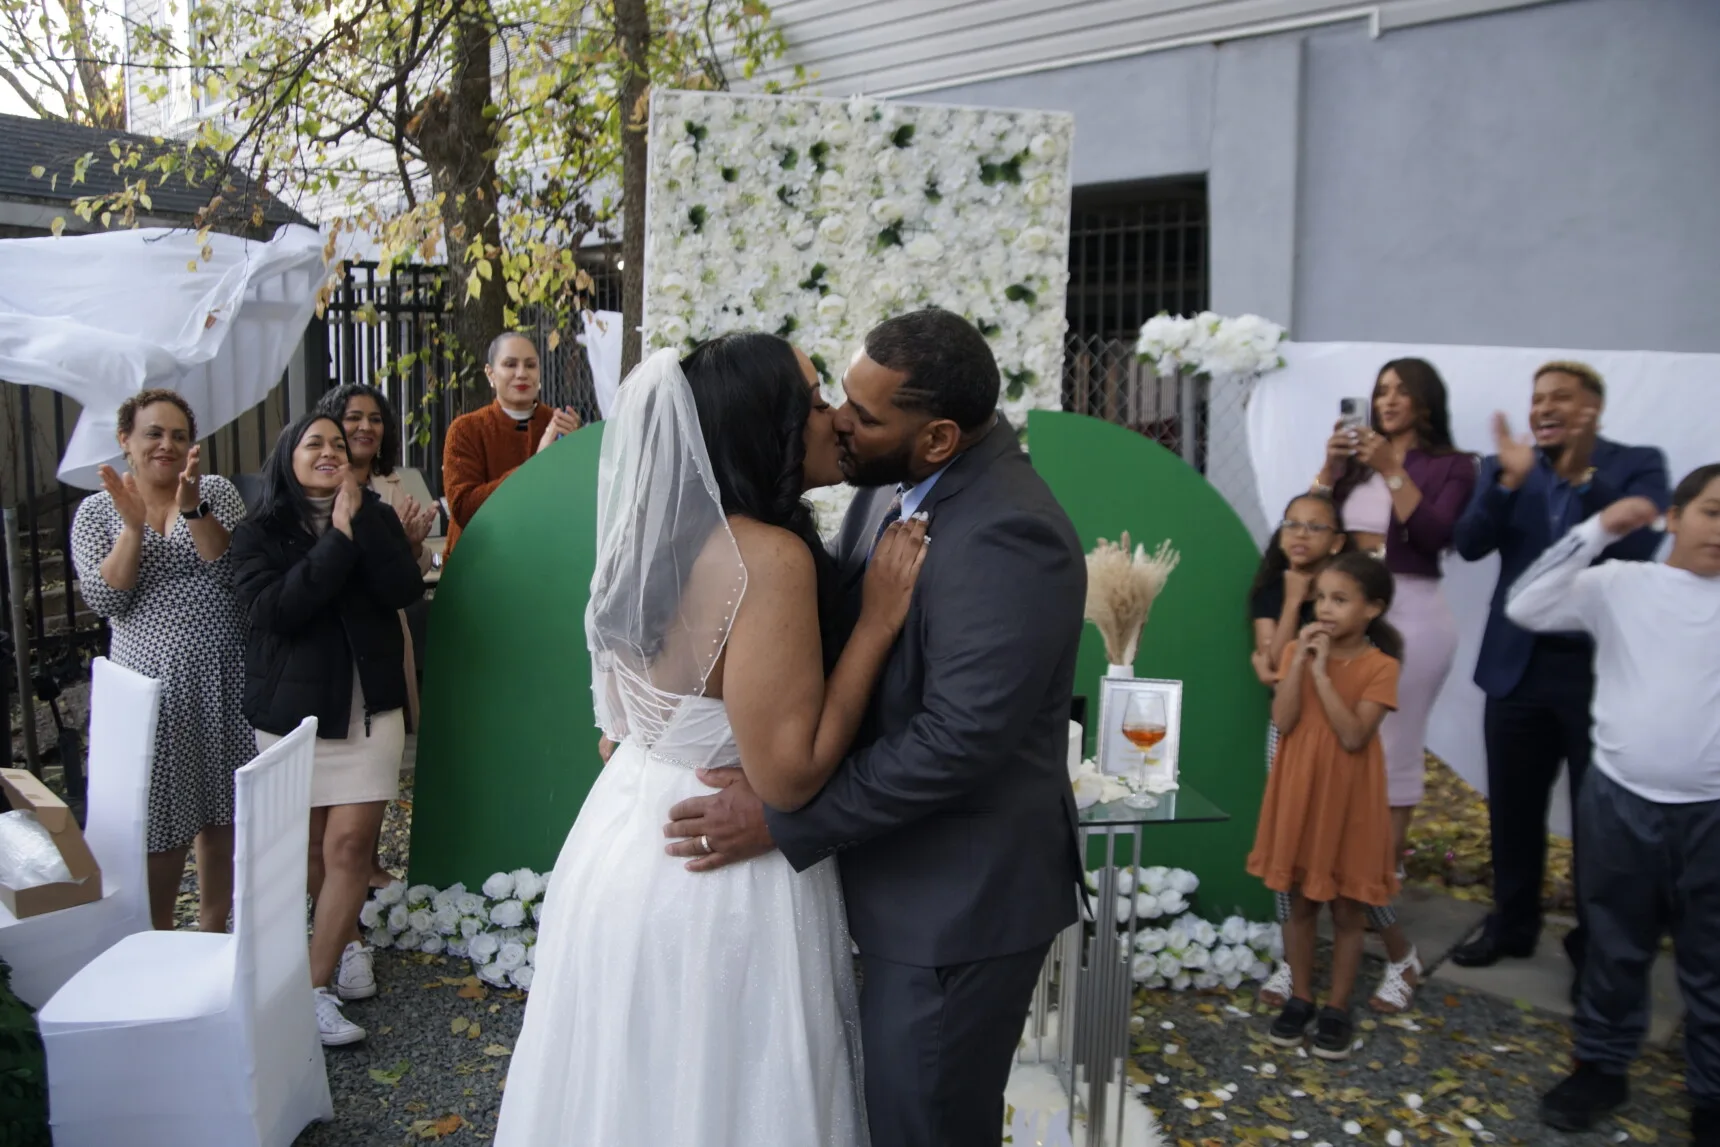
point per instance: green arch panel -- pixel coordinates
(1110, 479)
(508, 746)
(497, 784)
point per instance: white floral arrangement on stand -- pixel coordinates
(1209, 344)
(494, 928)
(1187, 951)
(817, 219)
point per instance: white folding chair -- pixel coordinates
(47, 950)
(191, 1039)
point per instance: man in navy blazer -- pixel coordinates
(1539, 686)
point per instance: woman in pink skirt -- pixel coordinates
(1401, 485)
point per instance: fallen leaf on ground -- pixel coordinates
(438, 1128)
(498, 1050)
(391, 1075)
(459, 1025)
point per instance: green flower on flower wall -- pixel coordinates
(814, 280)
(818, 153)
(1017, 382)
(1009, 171)
(697, 133)
(697, 217)
(1020, 293)
(903, 136)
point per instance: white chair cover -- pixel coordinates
(45, 951)
(186, 1039)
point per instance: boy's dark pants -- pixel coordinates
(1648, 869)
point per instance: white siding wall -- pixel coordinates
(897, 47)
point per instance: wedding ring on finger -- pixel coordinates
(705, 843)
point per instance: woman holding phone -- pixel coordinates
(1400, 485)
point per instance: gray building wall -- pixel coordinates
(1548, 176)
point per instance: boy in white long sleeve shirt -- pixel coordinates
(1649, 816)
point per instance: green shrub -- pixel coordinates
(23, 1072)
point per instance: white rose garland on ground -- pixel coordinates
(494, 928)
(817, 219)
(1180, 950)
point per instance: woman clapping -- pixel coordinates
(151, 556)
(322, 571)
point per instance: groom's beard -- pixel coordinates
(892, 469)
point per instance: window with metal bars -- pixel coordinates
(1135, 250)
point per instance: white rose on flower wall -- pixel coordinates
(818, 219)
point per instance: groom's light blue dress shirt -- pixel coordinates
(913, 496)
(916, 494)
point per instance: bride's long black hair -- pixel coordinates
(753, 403)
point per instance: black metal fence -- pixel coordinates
(387, 328)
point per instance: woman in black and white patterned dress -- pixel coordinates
(151, 556)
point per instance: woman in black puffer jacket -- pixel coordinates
(321, 570)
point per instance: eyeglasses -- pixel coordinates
(1292, 527)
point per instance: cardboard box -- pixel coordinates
(26, 792)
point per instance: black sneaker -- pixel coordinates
(1705, 1126)
(1291, 1026)
(1583, 1097)
(1334, 1033)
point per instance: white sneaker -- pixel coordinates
(356, 977)
(1275, 992)
(332, 1025)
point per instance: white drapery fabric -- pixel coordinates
(101, 317)
(669, 576)
(1653, 398)
(602, 340)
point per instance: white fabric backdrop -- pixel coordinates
(1665, 400)
(602, 339)
(100, 317)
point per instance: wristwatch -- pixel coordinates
(203, 510)
(1394, 483)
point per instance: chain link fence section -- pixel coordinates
(1204, 421)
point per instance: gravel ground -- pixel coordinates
(417, 1078)
(1467, 1056)
(436, 1060)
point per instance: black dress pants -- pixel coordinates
(939, 1043)
(1649, 869)
(1543, 723)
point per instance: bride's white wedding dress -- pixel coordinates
(669, 1007)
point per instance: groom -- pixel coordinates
(952, 816)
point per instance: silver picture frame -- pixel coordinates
(1117, 756)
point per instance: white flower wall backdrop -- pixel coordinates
(817, 219)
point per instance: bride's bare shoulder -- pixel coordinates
(772, 554)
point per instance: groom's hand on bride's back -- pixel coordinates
(731, 821)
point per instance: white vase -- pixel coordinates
(1120, 671)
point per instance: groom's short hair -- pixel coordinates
(950, 368)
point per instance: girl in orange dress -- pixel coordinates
(1325, 833)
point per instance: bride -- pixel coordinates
(719, 1008)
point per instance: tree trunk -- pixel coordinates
(101, 108)
(458, 142)
(633, 21)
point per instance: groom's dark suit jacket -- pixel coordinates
(953, 813)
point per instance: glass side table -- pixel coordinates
(1079, 1022)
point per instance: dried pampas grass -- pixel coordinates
(1121, 587)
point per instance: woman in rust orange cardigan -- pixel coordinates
(487, 445)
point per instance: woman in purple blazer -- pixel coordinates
(1402, 485)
